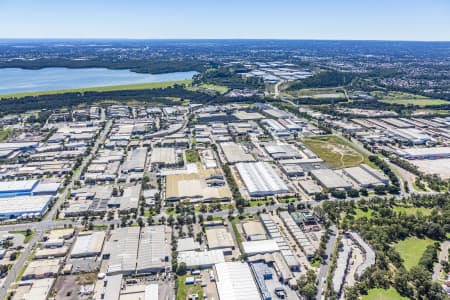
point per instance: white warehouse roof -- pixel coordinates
(260, 247)
(261, 179)
(235, 282)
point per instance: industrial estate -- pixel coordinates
(211, 190)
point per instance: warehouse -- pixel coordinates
(235, 153)
(292, 170)
(425, 153)
(201, 259)
(411, 135)
(275, 128)
(88, 245)
(130, 251)
(39, 289)
(164, 157)
(254, 231)
(260, 179)
(310, 187)
(38, 269)
(24, 206)
(46, 253)
(260, 247)
(330, 179)
(17, 188)
(235, 282)
(153, 250)
(135, 161)
(282, 151)
(365, 176)
(187, 244)
(220, 238)
(121, 250)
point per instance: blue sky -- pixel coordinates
(281, 19)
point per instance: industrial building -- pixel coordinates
(260, 247)
(330, 179)
(282, 151)
(89, 244)
(201, 259)
(261, 179)
(135, 161)
(254, 231)
(24, 206)
(235, 153)
(425, 153)
(164, 157)
(298, 235)
(365, 176)
(129, 251)
(276, 129)
(220, 238)
(38, 269)
(235, 282)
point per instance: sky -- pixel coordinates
(418, 20)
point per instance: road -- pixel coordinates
(324, 268)
(443, 256)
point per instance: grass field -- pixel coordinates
(336, 151)
(192, 156)
(413, 210)
(5, 133)
(140, 86)
(183, 290)
(382, 294)
(319, 93)
(218, 88)
(407, 99)
(411, 250)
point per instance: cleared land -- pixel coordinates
(335, 150)
(218, 88)
(382, 294)
(411, 250)
(140, 86)
(319, 93)
(407, 99)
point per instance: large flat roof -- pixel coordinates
(235, 282)
(17, 186)
(219, 238)
(260, 179)
(235, 153)
(330, 179)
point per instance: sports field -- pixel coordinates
(411, 250)
(140, 86)
(382, 294)
(335, 150)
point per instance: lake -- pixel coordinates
(15, 80)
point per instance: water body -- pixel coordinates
(15, 80)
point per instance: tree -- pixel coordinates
(181, 269)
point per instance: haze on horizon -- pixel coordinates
(201, 19)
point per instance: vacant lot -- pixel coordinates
(184, 290)
(324, 93)
(335, 150)
(407, 99)
(411, 250)
(140, 86)
(382, 294)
